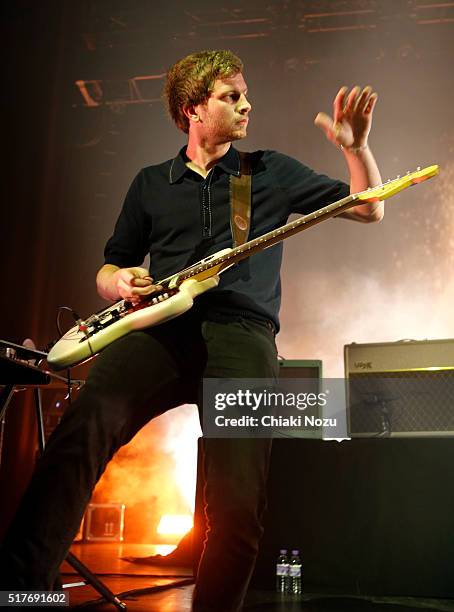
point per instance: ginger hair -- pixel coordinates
(191, 80)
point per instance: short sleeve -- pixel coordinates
(306, 190)
(130, 241)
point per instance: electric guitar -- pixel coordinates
(88, 337)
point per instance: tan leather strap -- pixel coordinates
(240, 201)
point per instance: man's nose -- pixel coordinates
(244, 106)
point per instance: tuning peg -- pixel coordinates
(398, 176)
(418, 168)
(408, 172)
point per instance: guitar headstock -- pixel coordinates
(391, 187)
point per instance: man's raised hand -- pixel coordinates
(352, 117)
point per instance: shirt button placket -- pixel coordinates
(206, 216)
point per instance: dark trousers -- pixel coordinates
(133, 380)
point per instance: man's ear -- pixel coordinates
(191, 113)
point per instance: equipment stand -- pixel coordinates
(17, 369)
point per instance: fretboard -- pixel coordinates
(270, 238)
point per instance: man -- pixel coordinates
(179, 211)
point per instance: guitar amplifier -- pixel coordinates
(300, 368)
(403, 388)
(309, 370)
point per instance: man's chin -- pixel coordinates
(231, 136)
(239, 134)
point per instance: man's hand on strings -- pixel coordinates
(133, 284)
(352, 117)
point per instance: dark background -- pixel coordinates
(67, 165)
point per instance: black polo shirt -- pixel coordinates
(179, 217)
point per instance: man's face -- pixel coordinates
(224, 116)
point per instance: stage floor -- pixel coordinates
(137, 583)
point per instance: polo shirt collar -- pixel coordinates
(230, 163)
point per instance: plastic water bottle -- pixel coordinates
(282, 571)
(295, 572)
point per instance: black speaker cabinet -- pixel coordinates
(371, 516)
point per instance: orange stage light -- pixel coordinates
(175, 524)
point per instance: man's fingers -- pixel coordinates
(363, 97)
(141, 282)
(138, 272)
(324, 121)
(370, 104)
(351, 99)
(142, 291)
(338, 104)
(357, 100)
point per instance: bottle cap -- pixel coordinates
(295, 552)
(283, 551)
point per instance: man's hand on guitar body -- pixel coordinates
(132, 284)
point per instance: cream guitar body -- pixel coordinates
(89, 337)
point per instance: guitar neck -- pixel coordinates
(218, 263)
(271, 238)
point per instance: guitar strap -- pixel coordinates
(240, 201)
